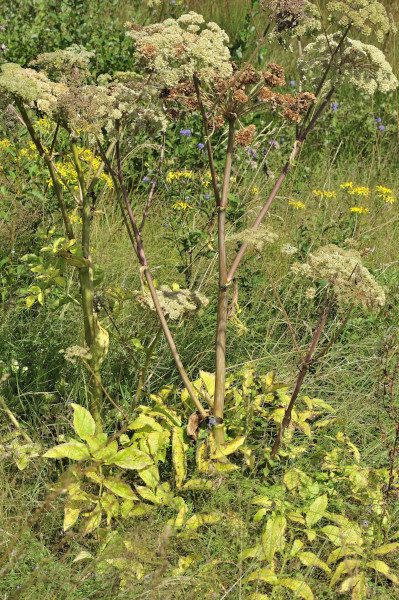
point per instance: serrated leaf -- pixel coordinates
(273, 536)
(309, 559)
(384, 569)
(119, 488)
(178, 457)
(73, 450)
(83, 422)
(131, 458)
(316, 510)
(301, 589)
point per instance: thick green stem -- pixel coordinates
(220, 363)
(143, 371)
(96, 337)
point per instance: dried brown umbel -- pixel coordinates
(191, 103)
(244, 137)
(174, 114)
(302, 102)
(248, 77)
(275, 99)
(217, 122)
(286, 13)
(274, 77)
(291, 115)
(240, 96)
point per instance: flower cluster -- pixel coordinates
(286, 13)
(324, 193)
(69, 65)
(343, 269)
(174, 302)
(297, 204)
(359, 209)
(259, 238)
(368, 16)
(362, 65)
(386, 194)
(177, 49)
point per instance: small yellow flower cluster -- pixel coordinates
(255, 191)
(347, 184)
(360, 190)
(44, 125)
(324, 194)
(74, 218)
(359, 209)
(298, 205)
(181, 205)
(386, 194)
(179, 175)
(4, 144)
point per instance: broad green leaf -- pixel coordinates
(94, 475)
(157, 443)
(184, 563)
(260, 514)
(258, 596)
(297, 545)
(220, 467)
(198, 484)
(111, 506)
(83, 422)
(310, 534)
(273, 536)
(255, 552)
(40, 298)
(296, 517)
(311, 560)
(150, 476)
(359, 591)
(126, 508)
(301, 589)
(181, 516)
(148, 494)
(119, 488)
(73, 450)
(95, 442)
(93, 521)
(71, 514)
(131, 458)
(386, 548)
(167, 414)
(382, 567)
(202, 519)
(341, 552)
(265, 574)
(316, 510)
(346, 566)
(178, 457)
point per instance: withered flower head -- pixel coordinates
(217, 122)
(244, 137)
(274, 77)
(287, 13)
(240, 96)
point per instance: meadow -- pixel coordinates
(199, 335)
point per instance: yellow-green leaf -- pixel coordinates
(131, 458)
(230, 447)
(119, 488)
(83, 555)
(126, 508)
(83, 422)
(200, 457)
(297, 545)
(266, 575)
(340, 536)
(145, 421)
(384, 569)
(181, 516)
(386, 548)
(30, 300)
(346, 566)
(148, 494)
(273, 536)
(107, 452)
(309, 559)
(202, 519)
(197, 484)
(73, 450)
(291, 479)
(71, 514)
(301, 589)
(93, 521)
(150, 476)
(178, 457)
(316, 510)
(40, 298)
(95, 442)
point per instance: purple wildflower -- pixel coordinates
(201, 146)
(378, 120)
(145, 179)
(207, 196)
(282, 140)
(273, 142)
(292, 83)
(335, 106)
(381, 127)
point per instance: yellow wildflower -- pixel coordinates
(359, 209)
(298, 205)
(181, 205)
(347, 184)
(360, 191)
(324, 193)
(255, 191)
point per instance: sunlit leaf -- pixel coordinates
(30, 300)
(131, 458)
(73, 450)
(83, 422)
(230, 447)
(107, 452)
(301, 589)
(266, 575)
(340, 536)
(316, 510)
(384, 569)
(273, 536)
(71, 513)
(386, 548)
(83, 555)
(291, 479)
(309, 559)
(178, 457)
(144, 420)
(197, 484)
(297, 545)
(200, 457)
(346, 566)
(119, 488)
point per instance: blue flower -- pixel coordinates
(335, 106)
(145, 178)
(378, 120)
(282, 140)
(201, 146)
(188, 132)
(207, 196)
(292, 83)
(381, 127)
